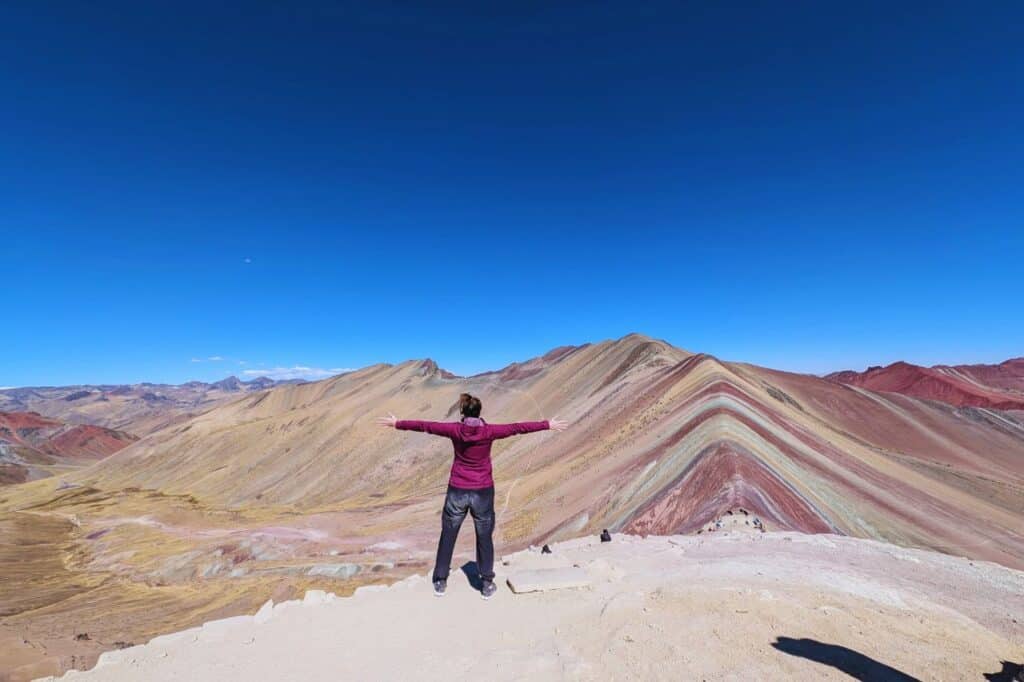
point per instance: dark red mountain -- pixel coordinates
(33, 446)
(999, 387)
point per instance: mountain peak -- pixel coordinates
(232, 383)
(642, 345)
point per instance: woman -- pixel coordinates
(470, 486)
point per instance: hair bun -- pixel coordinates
(469, 406)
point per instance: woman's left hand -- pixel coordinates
(389, 420)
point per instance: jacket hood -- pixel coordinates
(473, 429)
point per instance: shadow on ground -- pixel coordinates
(1011, 672)
(473, 575)
(853, 663)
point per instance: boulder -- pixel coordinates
(545, 579)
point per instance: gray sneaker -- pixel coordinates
(488, 590)
(439, 587)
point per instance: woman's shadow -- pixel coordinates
(472, 572)
(1011, 672)
(853, 663)
(861, 667)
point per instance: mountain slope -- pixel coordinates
(317, 444)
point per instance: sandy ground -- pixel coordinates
(731, 606)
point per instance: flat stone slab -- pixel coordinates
(544, 579)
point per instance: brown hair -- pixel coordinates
(469, 406)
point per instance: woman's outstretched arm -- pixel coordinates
(506, 430)
(436, 428)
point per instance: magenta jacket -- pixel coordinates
(472, 439)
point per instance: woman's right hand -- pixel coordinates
(388, 421)
(556, 424)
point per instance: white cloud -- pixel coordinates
(215, 358)
(296, 372)
(242, 362)
(6, 388)
(196, 360)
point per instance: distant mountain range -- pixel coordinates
(999, 387)
(139, 409)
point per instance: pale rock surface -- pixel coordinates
(733, 606)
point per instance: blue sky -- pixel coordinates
(809, 186)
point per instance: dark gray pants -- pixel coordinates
(480, 504)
